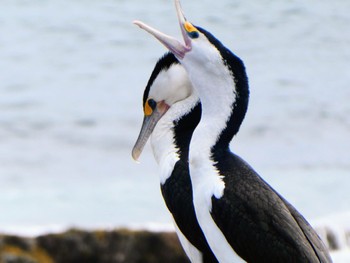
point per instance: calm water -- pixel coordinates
(71, 82)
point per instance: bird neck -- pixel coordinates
(171, 137)
(224, 95)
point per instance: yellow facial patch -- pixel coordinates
(190, 28)
(147, 109)
(192, 32)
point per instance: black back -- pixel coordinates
(254, 217)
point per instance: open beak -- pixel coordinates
(148, 124)
(175, 46)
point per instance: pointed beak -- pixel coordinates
(148, 125)
(175, 46)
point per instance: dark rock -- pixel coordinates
(77, 246)
(14, 249)
(332, 240)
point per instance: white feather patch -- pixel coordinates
(191, 251)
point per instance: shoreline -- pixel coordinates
(148, 243)
(338, 223)
(33, 231)
(120, 244)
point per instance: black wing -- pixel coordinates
(317, 244)
(259, 225)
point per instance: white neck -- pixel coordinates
(215, 90)
(162, 139)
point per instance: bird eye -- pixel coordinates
(193, 34)
(150, 105)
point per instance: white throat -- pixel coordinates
(162, 138)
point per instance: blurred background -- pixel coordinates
(72, 75)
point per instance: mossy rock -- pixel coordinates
(16, 253)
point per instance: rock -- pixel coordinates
(118, 246)
(14, 249)
(332, 240)
(76, 246)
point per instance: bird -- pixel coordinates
(172, 110)
(242, 217)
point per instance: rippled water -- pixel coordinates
(71, 83)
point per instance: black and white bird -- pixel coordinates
(171, 113)
(242, 217)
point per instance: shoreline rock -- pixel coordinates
(80, 246)
(114, 246)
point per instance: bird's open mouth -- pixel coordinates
(175, 46)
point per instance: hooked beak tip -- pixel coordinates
(137, 23)
(136, 154)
